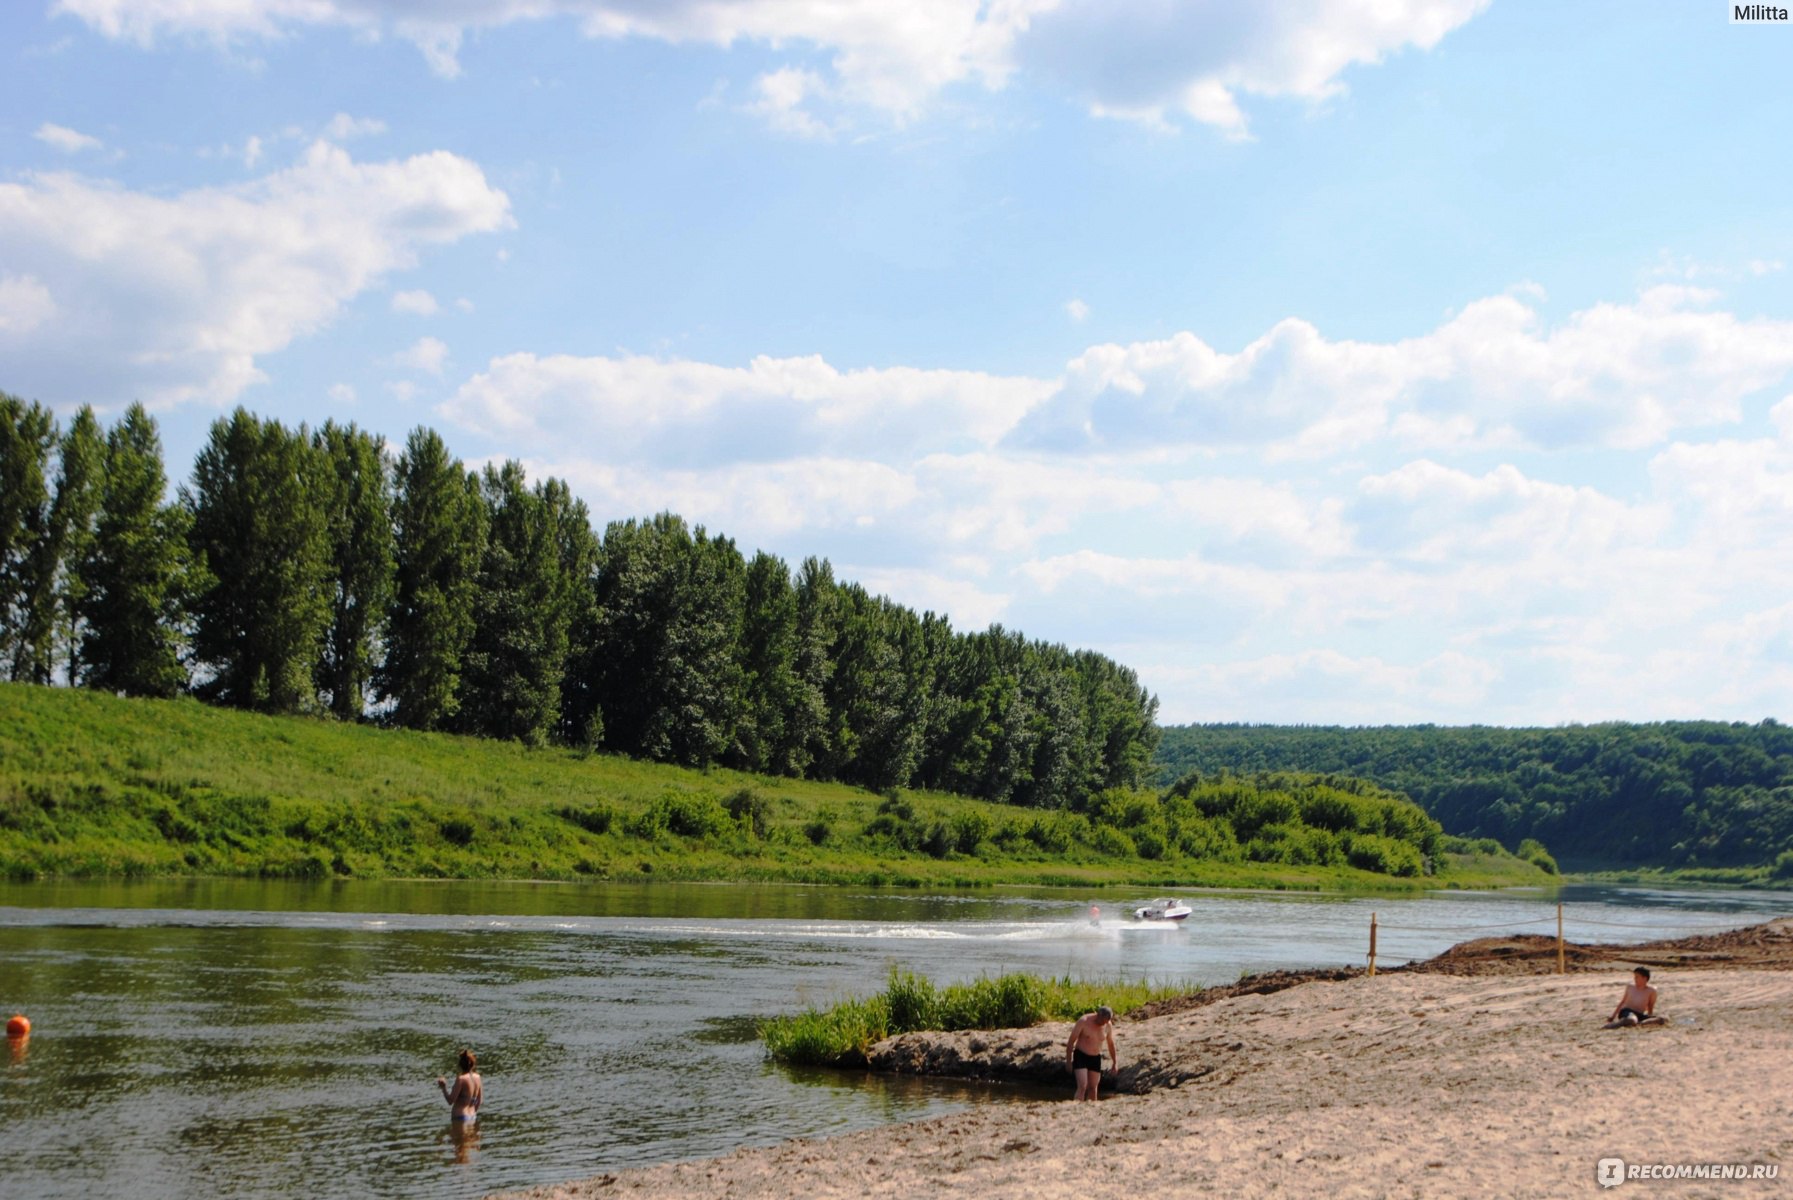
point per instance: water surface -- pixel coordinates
(280, 1039)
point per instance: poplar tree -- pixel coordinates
(670, 604)
(580, 722)
(50, 583)
(27, 435)
(260, 536)
(358, 508)
(439, 533)
(518, 649)
(80, 477)
(768, 666)
(134, 572)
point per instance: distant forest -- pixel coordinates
(1678, 793)
(303, 571)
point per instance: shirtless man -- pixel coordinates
(1638, 1005)
(1083, 1050)
(464, 1098)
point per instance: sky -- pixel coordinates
(1325, 361)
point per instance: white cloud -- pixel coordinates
(781, 96)
(418, 303)
(1492, 376)
(1077, 310)
(25, 303)
(342, 393)
(964, 603)
(685, 412)
(426, 354)
(171, 298)
(343, 127)
(1142, 61)
(1146, 61)
(65, 139)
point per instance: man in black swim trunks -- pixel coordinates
(1083, 1050)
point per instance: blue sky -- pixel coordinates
(1344, 361)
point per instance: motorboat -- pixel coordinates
(1162, 909)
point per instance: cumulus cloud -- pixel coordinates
(1149, 61)
(1494, 375)
(343, 127)
(780, 99)
(67, 140)
(25, 303)
(685, 412)
(171, 298)
(426, 354)
(418, 303)
(1142, 61)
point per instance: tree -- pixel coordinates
(27, 435)
(135, 570)
(768, 666)
(358, 510)
(808, 735)
(580, 724)
(519, 645)
(261, 536)
(670, 610)
(439, 533)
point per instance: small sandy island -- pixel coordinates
(1477, 1073)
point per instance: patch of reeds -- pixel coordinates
(842, 1034)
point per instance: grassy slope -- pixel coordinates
(95, 785)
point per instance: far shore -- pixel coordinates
(1480, 1072)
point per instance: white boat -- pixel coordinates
(1163, 909)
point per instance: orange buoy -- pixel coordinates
(18, 1027)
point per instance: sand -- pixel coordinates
(1413, 1083)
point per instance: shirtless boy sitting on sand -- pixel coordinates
(1638, 1005)
(1083, 1050)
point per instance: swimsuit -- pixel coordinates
(1632, 1012)
(1082, 1061)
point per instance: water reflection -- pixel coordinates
(463, 1138)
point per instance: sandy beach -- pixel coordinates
(1421, 1082)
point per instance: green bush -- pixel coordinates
(596, 819)
(751, 811)
(1112, 842)
(1783, 866)
(683, 814)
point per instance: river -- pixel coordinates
(213, 1038)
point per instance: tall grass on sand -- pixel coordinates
(841, 1034)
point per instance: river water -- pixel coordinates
(214, 1038)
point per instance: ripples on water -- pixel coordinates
(282, 1040)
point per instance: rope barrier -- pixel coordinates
(1562, 920)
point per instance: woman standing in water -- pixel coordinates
(463, 1099)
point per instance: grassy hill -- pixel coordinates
(96, 785)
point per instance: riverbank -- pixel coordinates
(97, 786)
(1472, 1073)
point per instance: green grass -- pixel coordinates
(93, 785)
(841, 1034)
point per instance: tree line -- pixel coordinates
(302, 571)
(1677, 793)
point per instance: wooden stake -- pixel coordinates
(1372, 944)
(1560, 969)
